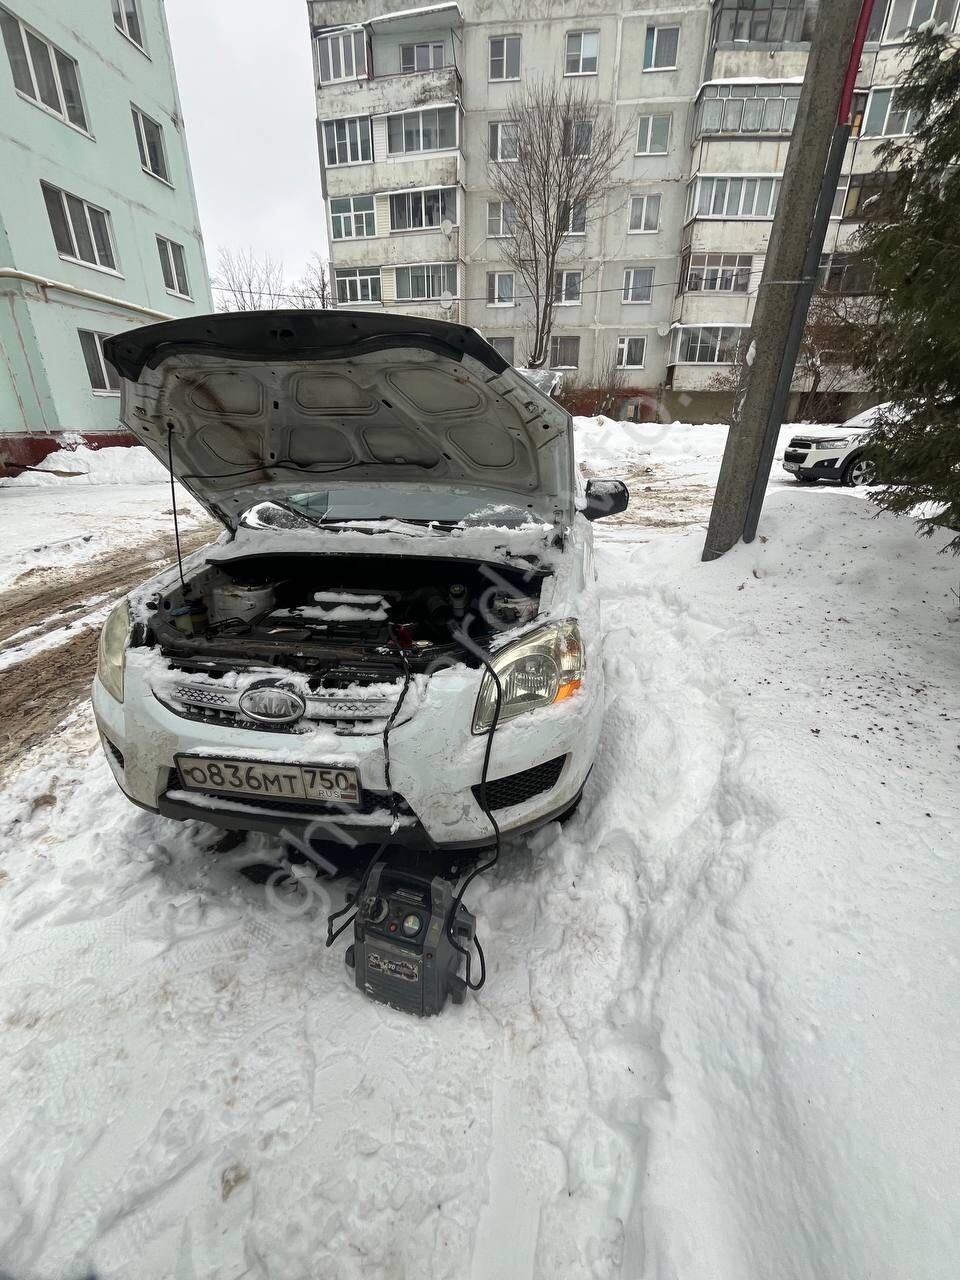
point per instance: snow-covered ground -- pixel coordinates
(719, 1033)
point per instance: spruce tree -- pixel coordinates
(911, 243)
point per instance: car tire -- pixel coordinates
(859, 470)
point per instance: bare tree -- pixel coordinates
(552, 163)
(244, 282)
(313, 287)
(835, 327)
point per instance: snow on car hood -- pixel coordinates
(252, 406)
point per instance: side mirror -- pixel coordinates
(605, 498)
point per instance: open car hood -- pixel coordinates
(252, 406)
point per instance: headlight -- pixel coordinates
(831, 444)
(542, 668)
(112, 653)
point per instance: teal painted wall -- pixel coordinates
(43, 380)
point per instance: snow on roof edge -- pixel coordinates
(755, 80)
(411, 13)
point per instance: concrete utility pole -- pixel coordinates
(789, 273)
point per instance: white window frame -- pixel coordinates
(623, 350)
(694, 188)
(576, 132)
(784, 96)
(495, 130)
(504, 221)
(422, 193)
(166, 248)
(56, 57)
(427, 267)
(562, 279)
(347, 121)
(351, 38)
(121, 20)
(580, 55)
(891, 91)
(949, 15)
(432, 64)
(349, 218)
(645, 127)
(629, 282)
(717, 328)
(495, 277)
(557, 338)
(109, 375)
(420, 113)
(502, 57)
(71, 230)
(652, 46)
(357, 276)
(730, 267)
(494, 338)
(141, 135)
(578, 207)
(644, 201)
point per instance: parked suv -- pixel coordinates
(398, 630)
(839, 455)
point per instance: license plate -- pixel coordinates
(791, 466)
(331, 784)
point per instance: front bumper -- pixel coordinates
(435, 764)
(813, 464)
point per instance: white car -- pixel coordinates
(398, 631)
(838, 455)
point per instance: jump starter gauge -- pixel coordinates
(401, 954)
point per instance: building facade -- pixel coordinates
(99, 229)
(660, 282)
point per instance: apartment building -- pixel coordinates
(98, 221)
(659, 277)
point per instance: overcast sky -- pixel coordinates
(245, 75)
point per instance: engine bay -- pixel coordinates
(318, 615)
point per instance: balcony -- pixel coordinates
(381, 95)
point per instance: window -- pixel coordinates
(500, 289)
(764, 21)
(709, 344)
(885, 118)
(716, 272)
(150, 144)
(174, 267)
(358, 284)
(421, 57)
(631, 353)
(426, 281)
(80, 230)
(574, 217)
(102, 376)
(577, 137)
(732, 197)
(867, 196)
(638, 284)
(653, 135)
(503, 140)
(347, 141)
(567, 288)
(500, 217)
(417, 210)
(844, 273)
(645, 213)
(353, 217)
(858, 111)
(907, 15)
(42, 72)
(747, 108)
(503, 347)
(583, 53)
(504, 57)
(431, 130)
(660, 48)
(126, 18)
(564, 352)
(342, 56)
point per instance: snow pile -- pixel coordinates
(602, 443)
(83, 465)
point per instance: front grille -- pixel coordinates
(515, 788)
(797, 443)
(114, 750)
(794, 455)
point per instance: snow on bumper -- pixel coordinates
(435, 760)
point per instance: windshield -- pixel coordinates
(333, 506)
